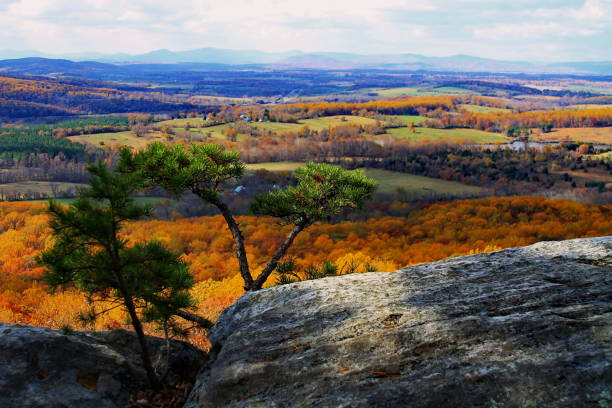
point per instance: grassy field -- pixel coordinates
(413, 91)
(217, 132)
(590, 106)
(586, 88)
(412, 119)
(580, 135)
(314, 124)
(466, 135)
(275, 166)
(482, 109)
(331, 121)
(602, 156)
(127, 138)
(42, 187)
(391, 181)
(139, 200)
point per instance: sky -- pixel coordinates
(524, 30)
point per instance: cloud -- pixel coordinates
(491, 28)
(590, 10)
(530, 31)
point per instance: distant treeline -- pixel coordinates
(49, 139)
(26, 98)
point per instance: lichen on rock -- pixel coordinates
(44, 368)
(521, 327)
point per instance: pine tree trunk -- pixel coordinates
(238, 244)
(144, 349)
(280, 252)
(142, 340)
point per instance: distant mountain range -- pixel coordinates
(318, 60)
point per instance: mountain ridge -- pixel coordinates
(325, 60)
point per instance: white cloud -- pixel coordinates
(590, 10)
(439, 27)
(530, 31)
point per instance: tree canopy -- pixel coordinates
(146, 279)
(321, 191)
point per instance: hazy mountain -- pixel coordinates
(318, 60)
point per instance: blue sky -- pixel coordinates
(534, 30)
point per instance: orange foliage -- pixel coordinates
(406, 105)
(504, 121)
(433, 233)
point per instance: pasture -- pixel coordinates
(419, 134)
(118, 139)
(390, 182)
(411, 118)
(482, 109)
(601, 135)
(48, 188)
(428, 91)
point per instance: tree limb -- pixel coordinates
(201, 321)
(280, 252)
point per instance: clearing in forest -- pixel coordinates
(127, 138)
(429, 91)
(419, 134)
(601, 135)
(38, 187)
(483, 109)
(390, 181)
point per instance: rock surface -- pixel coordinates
(522, 327)
(44, 368)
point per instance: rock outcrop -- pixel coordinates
(43, 368)
(522, 327)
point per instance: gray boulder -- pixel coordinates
(41, 367)
(522, 327)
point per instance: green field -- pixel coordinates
(412, 119)
(590, 106)
(274, 166)
(42, 187)
(601, 135)
(594, 89)
(602, 156)
(216, 132)
(118, 139)
(390, 181)
(482, 109)
(314, 124)
(331, 121)
(414, 91)
(467, 135)
(139, 200)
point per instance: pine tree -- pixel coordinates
(149, 282)
(322, 190)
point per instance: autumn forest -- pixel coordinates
(462, 164)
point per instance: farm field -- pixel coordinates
(411, 91)
(455, 135)
(275, 166)
(482, 109)
(127, 138)
(42, 187)
(192, 125)
(314, 124)
(595, 89)
(411, 118)
(590, 106)
(390, 181)
(139, 200)
(602, 156)
(581, 135)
